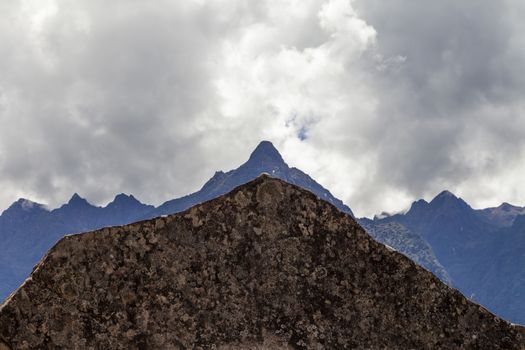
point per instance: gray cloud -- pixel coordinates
(455, 107)
(397, 100)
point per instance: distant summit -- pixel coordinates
(264, 159)
(21, 211)
(25, 205)
(77, 201)
(124, 200)
(265, 154)
(502, 216)
(446, 194)
(447, 198)
(122, 208)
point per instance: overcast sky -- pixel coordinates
(395, 100)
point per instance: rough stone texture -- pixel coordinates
(267, 266)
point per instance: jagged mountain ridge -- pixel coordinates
(27, 236)
(503, 215)
(482, 257)
(264, 159)
(267, 266)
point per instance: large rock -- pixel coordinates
(267, 266)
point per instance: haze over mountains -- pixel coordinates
(477, 251)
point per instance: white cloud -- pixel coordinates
(380, 102)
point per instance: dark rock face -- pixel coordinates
(267, 266)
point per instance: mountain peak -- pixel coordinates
(445, 197)
(417, 207)
(446, 194)
(26, 205)
(266, 152)
(509, 207)
(264, 159)
(77, 200)
(124, 199)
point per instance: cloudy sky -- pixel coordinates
(381, 101)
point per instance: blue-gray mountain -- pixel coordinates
(264, 159)
(483, 251)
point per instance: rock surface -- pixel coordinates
(267, 266)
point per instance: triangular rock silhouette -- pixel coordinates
(267, 266)
(265, 152)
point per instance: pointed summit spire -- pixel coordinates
(449, 202)
(25, 205)
(77, 200)
(265, 152)
(446, 194)
(445, 197)
(123, 199)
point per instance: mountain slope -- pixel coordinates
(400, 238)
(268, 265)
(483, 259)
(503, 283)
(456, 234)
